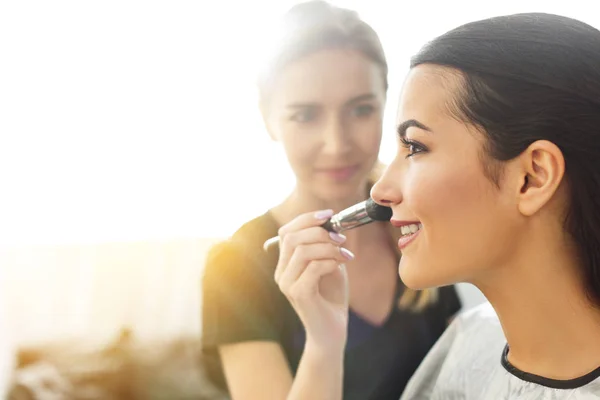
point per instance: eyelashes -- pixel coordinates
(304, 116)
(363, 110)
(412, 146)
(311, 114)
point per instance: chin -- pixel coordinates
(419, 276)
(340, 192)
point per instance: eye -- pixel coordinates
(304, 115)
(363, 110)
(412, 146)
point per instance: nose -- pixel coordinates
(336, 138)
(387, 190)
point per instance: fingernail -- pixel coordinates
(324, 214)
(336, 237)
(347, 253)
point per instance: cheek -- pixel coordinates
(459, 213)
(301, 148)
(448, 197)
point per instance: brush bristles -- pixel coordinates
(377, 212)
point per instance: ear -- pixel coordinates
(542, 171)
(267, 122)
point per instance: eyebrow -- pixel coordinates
(403, 127)
(354, 100)
(362, 97)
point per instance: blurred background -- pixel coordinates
(129, 130)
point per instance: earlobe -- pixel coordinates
(542, 171)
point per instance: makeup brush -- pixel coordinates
(352, 217)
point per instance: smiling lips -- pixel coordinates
(409, 230)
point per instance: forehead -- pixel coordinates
(428, 93)
(328, 76)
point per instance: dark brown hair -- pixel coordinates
(530, 77)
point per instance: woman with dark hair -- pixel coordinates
(322, 96)
(497, 183)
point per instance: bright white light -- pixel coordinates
(133, 120)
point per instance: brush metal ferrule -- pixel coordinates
(349, 218)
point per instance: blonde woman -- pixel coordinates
(322, 98)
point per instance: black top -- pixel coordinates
(242, 302)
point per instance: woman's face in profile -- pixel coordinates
(326, 110)
(437, 182)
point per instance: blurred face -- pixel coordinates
(457, 224)
(326, 110)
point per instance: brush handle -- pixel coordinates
(270, 242)
(327, 225)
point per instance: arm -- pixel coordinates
(312, 275)
(242, 322)
(256, 370)
(240, 319)
(318, 373)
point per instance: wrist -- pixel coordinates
(324, 352)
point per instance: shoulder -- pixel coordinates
(251, 234)
(247, 241)
(257, 230)
(477, 329)
(243, 251)
(481, 316)
(477, 342)
(474, 340)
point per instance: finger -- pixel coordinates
(290, 241)
(304, 237)
(288, 245)
(304, 255)
(304, 221)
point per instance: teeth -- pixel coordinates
(409, 229)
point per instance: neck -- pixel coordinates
(551, 328)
